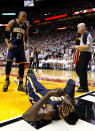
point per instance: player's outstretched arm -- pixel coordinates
(32, 113)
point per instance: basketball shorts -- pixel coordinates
(18, 54)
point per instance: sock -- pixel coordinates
(17, 77)
(20, 82)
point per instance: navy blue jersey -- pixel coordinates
(17, 34)
(36, 91)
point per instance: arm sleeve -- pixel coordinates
(89, 39)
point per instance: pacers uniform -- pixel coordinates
(16, 38)
(36, 91)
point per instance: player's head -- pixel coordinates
(22, 16)
(81, 28)
(68, 114)
(66, 109)
(72, 118)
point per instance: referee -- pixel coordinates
(85, 47)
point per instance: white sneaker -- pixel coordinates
(16, 80)
(77, 82)
(35, 70)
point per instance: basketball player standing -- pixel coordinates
(15, 33)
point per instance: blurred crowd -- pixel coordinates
(3, 51)
(55, 47)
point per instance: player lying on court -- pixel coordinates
(49, 105)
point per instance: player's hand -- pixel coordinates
(78, 38)
(57, 92)
(66, 107)
(76, 47)
(25, 47)
(10, 46)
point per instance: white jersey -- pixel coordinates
(86, 39)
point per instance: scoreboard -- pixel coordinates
(28, 3)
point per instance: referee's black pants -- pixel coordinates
(81, 68)
(31, 62)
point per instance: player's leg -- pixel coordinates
(26, 65)
(35, 89)
(10, 57)
(38, 86)
(21, 60)
(33, 95)
(8, 70)
(21, 75)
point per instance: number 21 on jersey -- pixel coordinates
(19, 36)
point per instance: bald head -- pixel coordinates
(81, 28)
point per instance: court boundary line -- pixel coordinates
(85, 94)
(10, 121)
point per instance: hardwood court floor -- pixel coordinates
(14, 103)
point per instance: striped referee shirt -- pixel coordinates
(86, 39)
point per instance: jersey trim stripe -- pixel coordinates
(34, 87)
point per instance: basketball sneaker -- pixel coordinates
(6, 85)
(16, 80)
(77, 82)
(35, 70)
(21, 87)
